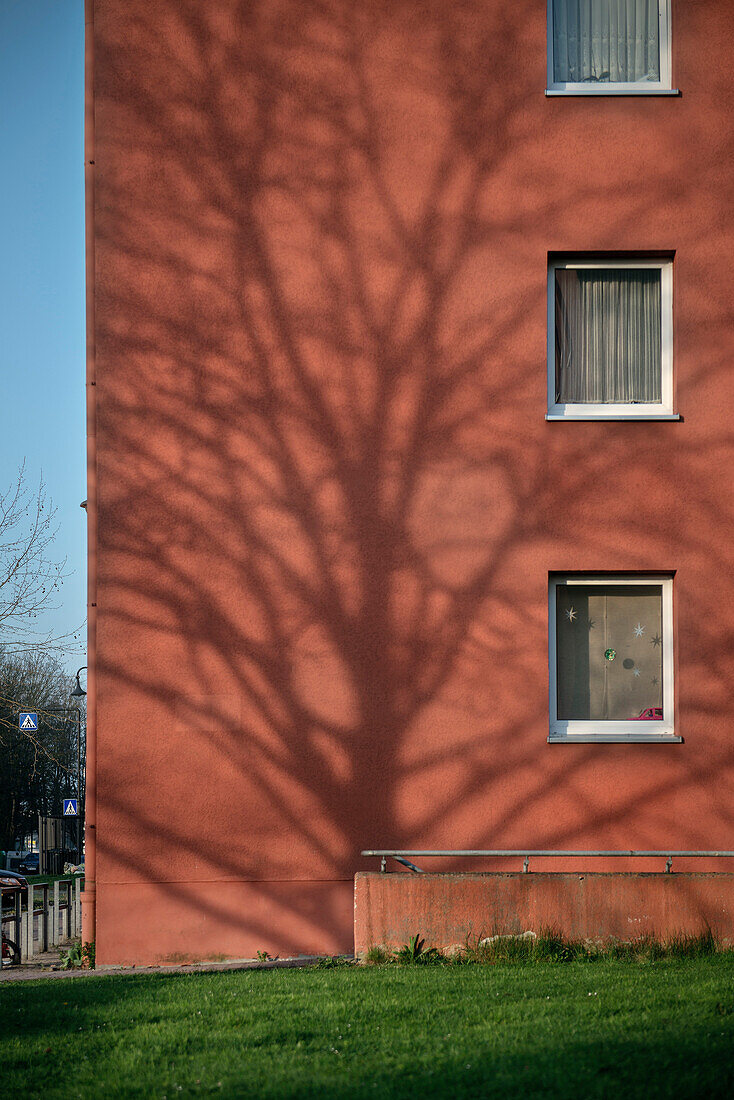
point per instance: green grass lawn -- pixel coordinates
(579, 1029)
(36, 880)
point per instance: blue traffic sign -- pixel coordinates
(70, 809)
(28, 720)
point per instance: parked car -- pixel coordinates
(10, 884)
(30, 864)
(12, 880)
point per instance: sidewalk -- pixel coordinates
(46, 966)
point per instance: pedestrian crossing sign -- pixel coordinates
(70, 809)
(28, 720)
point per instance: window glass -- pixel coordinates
(606, 41)
(609, 652)
(608, 336)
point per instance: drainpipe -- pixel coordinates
(89, 894)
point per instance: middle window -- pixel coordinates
(610, 330)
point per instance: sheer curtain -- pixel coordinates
(609, 651)
(608, 339)
(599, 41)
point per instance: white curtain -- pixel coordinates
(608, 341)
(605, 41)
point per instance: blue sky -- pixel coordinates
(42, 349)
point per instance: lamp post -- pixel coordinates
(77, 693)
(65, 711)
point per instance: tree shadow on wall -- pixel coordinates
(322, 455)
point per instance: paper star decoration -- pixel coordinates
(639, 630)
(636, 672)
(592, 624)
(655, 680)
(571, 614)
(657, 640)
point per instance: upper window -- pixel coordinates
(610, 325)
(611, 648)
(608, 46)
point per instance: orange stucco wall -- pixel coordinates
(327, 498)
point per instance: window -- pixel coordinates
(610, 339)
(611, 659)
(607, 47)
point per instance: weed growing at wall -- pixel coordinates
(547, 946)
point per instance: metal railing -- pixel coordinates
(37, 927)
(400, 855)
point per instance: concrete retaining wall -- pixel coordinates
(447, 909)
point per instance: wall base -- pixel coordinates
(144, 924)
(449, 909)
(88, 899)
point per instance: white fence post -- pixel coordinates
(54, 939)
(43, 936)
(26, 928)
(75, 899)
(69, 910)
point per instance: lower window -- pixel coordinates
(611, 658)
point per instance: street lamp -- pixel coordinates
(78, 784)
(78, 691)
(76, 710)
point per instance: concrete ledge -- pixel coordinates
(446, 909)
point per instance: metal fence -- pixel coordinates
(400, 855)
(51, 916)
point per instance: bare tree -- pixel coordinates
(38, 768)
(29, 577)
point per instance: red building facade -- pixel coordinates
(410, 348)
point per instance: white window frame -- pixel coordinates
(638, 87)
(573, 730)
(627, 411)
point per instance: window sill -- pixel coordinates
(613, 416)
(611, 91)
(614, 738)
